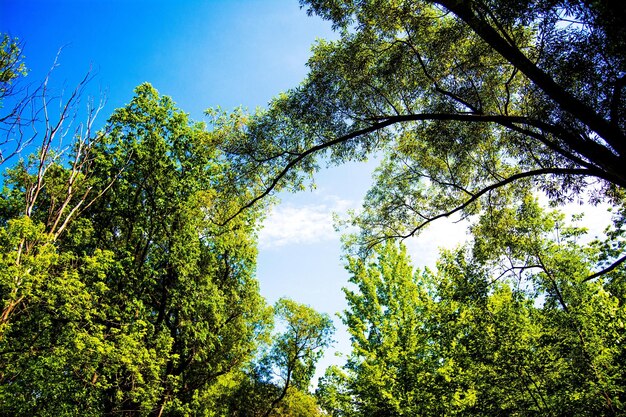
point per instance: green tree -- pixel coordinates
(296, 350)
(278, 382)
(509, 325)
(394, 356)
(29, 236)
(134, 302)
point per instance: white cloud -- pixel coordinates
(289, 224)
(444, 233)
(299, 224)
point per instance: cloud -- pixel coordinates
(290, 224)
(444, 233)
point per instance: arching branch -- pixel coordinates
(384, 121)
(492, 187)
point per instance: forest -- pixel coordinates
(128, 248)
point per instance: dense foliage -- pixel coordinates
(140, 303)
(482, 338)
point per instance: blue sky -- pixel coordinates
(207, 54)
(203, 53)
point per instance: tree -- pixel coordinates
(277, 382)
(41, 291)
(395, 352)
(29, 250)
(462, 97)
(506, 326)
(193, 281)
(142, 304)
(296, 350)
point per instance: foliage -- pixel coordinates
(296, 350)
(277, 382)
(293, 355)
(298, 404)
(507, 326)
(139, 303)
(461, 98)
(127, 264)
(11, 64)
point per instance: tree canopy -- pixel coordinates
(140, 303)
(121, 292)
(462, 98)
